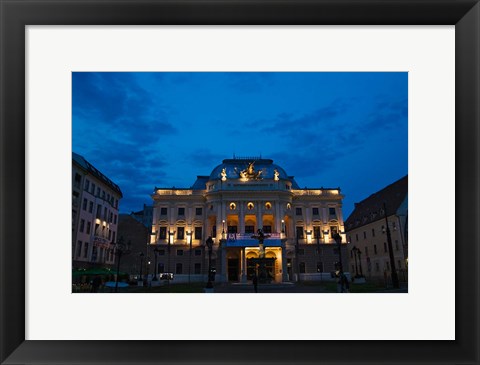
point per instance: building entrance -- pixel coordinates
(253, 266)
(233, 269)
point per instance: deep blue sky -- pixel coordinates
(347, 130)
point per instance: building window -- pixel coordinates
(178, 268)
(163, 211)
(375, 249)
(114, 219)
(366, 251)
(384, 246)
(89, 227)
(162, 233)
(87, 184)
(92, 190)
(82, 224)
(250, 206)
(373, 232)
(79, 248)
(319, 266)
(198, 233)
(315, 211)
(289, 206)
(299, 232)
(161, 252)
(161, 268)
(356, 236)
(181, 211)
(233, 206)
(316, 232)
(396, 245)
(198, 211)
(214, 231)
(364, 235)
(302, 268)
(197, 268)
(377, 267)
(181, 233)
(179, 252)
(301, 251)
(84, 206)
(298, 211)
(388, 266)
(249, 229)
(399, 264)
(98, 192)
(99, 211)
(78, 179)
(332, 212)
(90, 207)
(198, 252)
(267, 229)
(268, 205)
(85, 249)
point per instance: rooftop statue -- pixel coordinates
(250, 173)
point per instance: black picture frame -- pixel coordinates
(16, 14)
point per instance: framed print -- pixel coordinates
(433, 44)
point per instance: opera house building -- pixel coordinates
(258, 218)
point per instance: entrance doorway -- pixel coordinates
(253, 266)
(233, 266)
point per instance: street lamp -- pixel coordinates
(155, 251)
(338, 240)
(120, 250)
(140, 278)
(355, 251)
(395, 282)
(189, 234)
(209, 243)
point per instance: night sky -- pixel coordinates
(347, 130)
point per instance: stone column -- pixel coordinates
(278, 218)
(243, 265)
(241, 217)
(259, 215)
(284, 262)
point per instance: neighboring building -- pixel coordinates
(95, 200)
(366, 231)
(240, 196)
(136, 236)
(144, 216)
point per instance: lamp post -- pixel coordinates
(354, 251)
(155, 270)
(189, 234)
(141, 266)
(148, 269)
(209, 243)
(395, 282)
(338, 240)
(120, 250)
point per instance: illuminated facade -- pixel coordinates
(95, 201)
(240, 196)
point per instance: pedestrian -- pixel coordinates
(255, 283)
(97, 281)
(345, 286)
